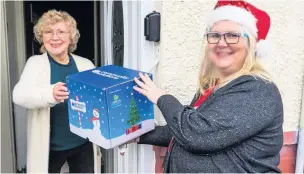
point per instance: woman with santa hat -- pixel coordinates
(234, 123)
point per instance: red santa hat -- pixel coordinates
(255, 20)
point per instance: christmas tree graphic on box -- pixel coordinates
(133, 117)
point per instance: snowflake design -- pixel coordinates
(80, 88)
(122, 120)
(131, 93)
(84, 86)
(94, 89)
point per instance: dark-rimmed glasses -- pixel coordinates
(229, 37)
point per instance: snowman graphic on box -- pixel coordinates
(95, 121)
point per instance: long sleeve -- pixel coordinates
(28, 92)
(232, 117)
(160, 136)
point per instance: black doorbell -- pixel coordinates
(152, 26)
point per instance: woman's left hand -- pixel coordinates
(148, 88)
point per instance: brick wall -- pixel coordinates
(287, 161)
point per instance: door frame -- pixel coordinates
(138, 54)
(8, 159)
(16, 61)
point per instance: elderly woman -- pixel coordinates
(234, 123)
(41, 89)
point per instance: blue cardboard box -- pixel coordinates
(104, 107)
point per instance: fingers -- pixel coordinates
(146, 79)
(142, 91)
(61, 88)
(60, 83)
(145, 85)
(61, 93)
(139, 83)
(137, 140)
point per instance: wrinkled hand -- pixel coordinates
(148, 88)
(60, 92)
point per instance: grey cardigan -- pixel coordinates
(238, 129)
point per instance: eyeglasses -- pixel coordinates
(229, 37)
(61, 34)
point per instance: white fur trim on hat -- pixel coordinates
(235, 14)
(263, 48)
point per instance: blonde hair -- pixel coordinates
(52, 17)
(251, 66)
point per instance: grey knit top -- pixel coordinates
(237, 129)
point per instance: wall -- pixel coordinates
(181, 42)
(182, 26)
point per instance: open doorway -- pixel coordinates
(87, 16)
(111, 33)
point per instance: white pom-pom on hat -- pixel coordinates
(263, 48)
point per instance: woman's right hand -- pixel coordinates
(60, 92)
(135, 140)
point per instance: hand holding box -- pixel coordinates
(104, 107)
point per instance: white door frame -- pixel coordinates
(138, 54)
